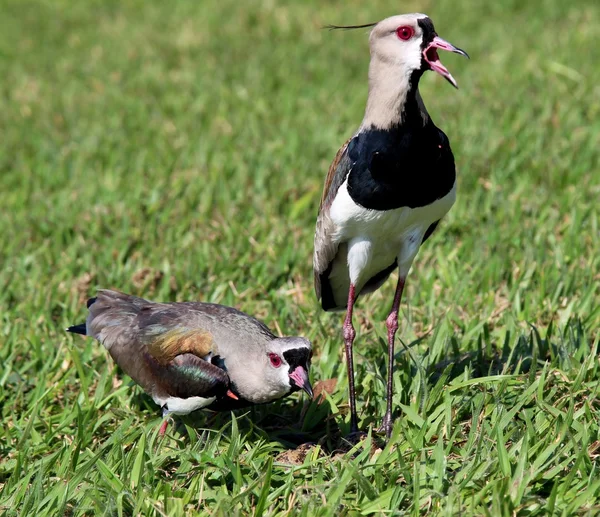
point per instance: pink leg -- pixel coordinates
(392, 326)
(349, 335)
(163, 427)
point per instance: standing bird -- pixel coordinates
(388, 186)
(193, 355)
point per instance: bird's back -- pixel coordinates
(145, 337)
(117, 318)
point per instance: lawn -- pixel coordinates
(177, 150)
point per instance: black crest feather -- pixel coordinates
(349, 27)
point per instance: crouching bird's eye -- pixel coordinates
(405, 32)
(275, 360)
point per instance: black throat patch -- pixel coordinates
(428, 34)
(297, 357)
(428, 31)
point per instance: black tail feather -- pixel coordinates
(78, 329)
(81, 328)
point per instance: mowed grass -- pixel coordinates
(176, 150)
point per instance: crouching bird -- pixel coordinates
(388, 186)
(194, 355)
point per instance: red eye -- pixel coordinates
(405, 32)
(275, 360)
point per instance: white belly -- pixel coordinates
(179, 406)
(372, 240)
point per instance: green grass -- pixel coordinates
(176, 150)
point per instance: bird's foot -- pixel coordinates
(386, 425)
(348, 442)
(354, 436)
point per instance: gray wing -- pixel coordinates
(325, 249)
(165, 329)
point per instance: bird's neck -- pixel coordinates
(394, 99)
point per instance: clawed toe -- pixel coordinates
(386, 426)
(355, 437)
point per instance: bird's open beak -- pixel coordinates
(433, 60)
(300, 378)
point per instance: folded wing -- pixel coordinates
(159, 345)
(325, 248)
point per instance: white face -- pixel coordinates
(266, 377)
(278, 367)
(277, 375)
(398, 41)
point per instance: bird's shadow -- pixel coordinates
(297, 424)
(291, 423)
(493, 358)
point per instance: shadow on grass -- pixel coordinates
(528, 352)
(290, 422)
(295, 423)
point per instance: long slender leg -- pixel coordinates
(392, 326)
(349, 335)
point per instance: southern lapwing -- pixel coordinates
(388, 186)
(193, 355)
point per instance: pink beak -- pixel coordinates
(433, 60)
(300, 378)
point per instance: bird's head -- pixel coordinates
(289, 364)
(280, 369)
(410, 42)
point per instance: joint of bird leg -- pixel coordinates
(392, 323)
(349, 332)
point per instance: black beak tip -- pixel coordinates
(463, 53)
(452, 83)
(308, 388)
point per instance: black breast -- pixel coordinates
(400, 167)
